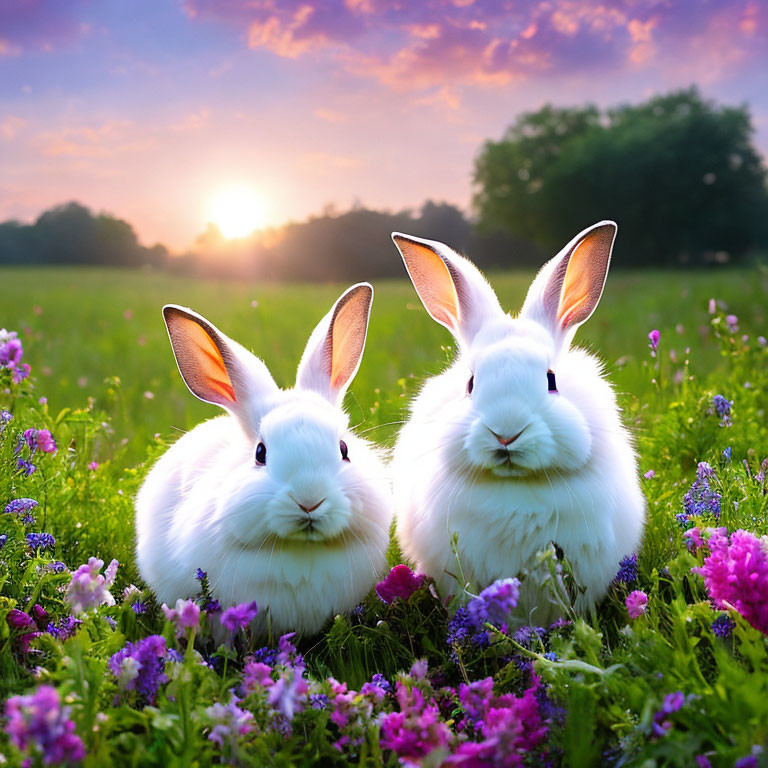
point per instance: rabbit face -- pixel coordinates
(516, 422)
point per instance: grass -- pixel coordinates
(605, 681)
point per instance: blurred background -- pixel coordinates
(231, 156)
(286, 140)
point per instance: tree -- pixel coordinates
(679, 174)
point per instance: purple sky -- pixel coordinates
(146, 109)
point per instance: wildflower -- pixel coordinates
(229, 722)
(736, 574)
(93, 466)
(200, 574)
(3, 540)
(722, 626)
(722, 408)
(400, 582)
(701, 499)
(627, 573)
(256, 674)
(20, 372)
(40, 439)
(138, 607)
(318, 700)
(11, 349)
(287, 695)
(732, 322)
(185, 615)
(17, 619)
(239, 616)
(5, 418)
(650, 474)
(495, 603)
(672, 703)
(66, 627)
(286, 651)
(637, 603)
(27, 468)
(57, 566)
(693, 539)
(17, 506)
(40, 541)
(212, 606)
(38, 725)
(88, 588)
(141, 666)
(416, 730)
(654, 336)
(727, 453)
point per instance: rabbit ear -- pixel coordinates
(335, 348)
(568, 288)
(216, 369)
(452, 289)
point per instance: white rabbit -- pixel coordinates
(277, 501)
(519, 443)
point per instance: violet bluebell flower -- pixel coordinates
(20, 506)
(672, 703)
(701, 499)
(3, 540)
(318, 700)
(57, 566)
(627, 573)
(723, 625)
(722, 408)
(66, 627)
(5, 418)
(200, 574)
(39, 725)
(40, 541)
(727, 453)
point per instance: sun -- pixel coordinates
(236, 211)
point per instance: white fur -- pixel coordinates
(207, 504)
(571, 477)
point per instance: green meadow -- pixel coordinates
(84, 328)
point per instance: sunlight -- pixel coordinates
(237, 211)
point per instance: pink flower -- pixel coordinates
(256, 674)
(93, 466)
(736, 574)
(637, 603)
(693, 539)
(400, 582)
(654, 336)
(89, 588)
(185, 615)
(649, 474)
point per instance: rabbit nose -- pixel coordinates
(505, 441)
(310, 508)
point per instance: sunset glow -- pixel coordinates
(237, 211)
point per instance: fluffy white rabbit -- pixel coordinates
(519, 443)
(277, 500)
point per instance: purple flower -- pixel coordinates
(3, 540)
(38, 725)
(20, 372)
(650, 474)
(654, 336)
(40, 438)
(5, 418)
(40, 541)
(722, 626)
(288, 694)
(495, 603)
(732, 322)
(229, 722)
(637, 603)
(11, 349)
(672, 703)
(722, 406)
(200, 574)
(186, 615)
(400, 582)
(66, 627)
(141, 666)
(701, 499)
(27, 468)
(318, 700)
(18, 506)
(736, 574)
(93, 466)
(139, 607)
(239, 616)
(257, 675)
(19, 619)
(88, 588)
(627, 573)
(212, 606)
(57, 566)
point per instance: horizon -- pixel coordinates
(285, 111)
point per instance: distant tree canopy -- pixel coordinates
(679, 174)
(71, 234)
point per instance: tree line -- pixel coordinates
(680, 174)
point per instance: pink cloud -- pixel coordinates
(40, 24)
(491, 42)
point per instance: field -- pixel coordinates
(670, 687)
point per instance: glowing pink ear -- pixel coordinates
(335, 348)
(200, 351)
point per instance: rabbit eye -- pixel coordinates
(551, 383)
(261, 454)
(344, 450)
(471, 384)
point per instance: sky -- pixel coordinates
(153, 109)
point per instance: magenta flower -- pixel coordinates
(185, 615)
(19, 619)
(416, 730)
(239, 616)
(88, 588)
(400, 582)
(649, 475)
(637, 603)
(39, 726)
(693, 539)
(257, 674)
(654, 336)
(736, 574)
(93, 466)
